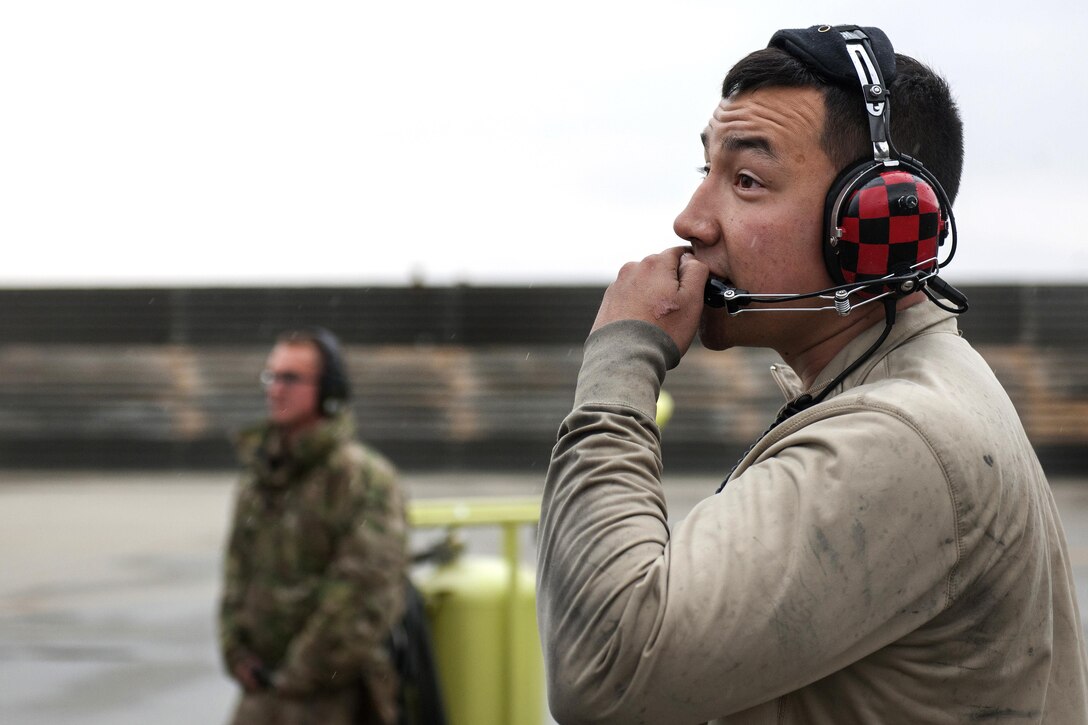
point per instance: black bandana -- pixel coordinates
(823, 49)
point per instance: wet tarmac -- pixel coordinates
(109, 586)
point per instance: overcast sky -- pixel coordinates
(217, 142)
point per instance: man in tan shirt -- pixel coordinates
(889, 551)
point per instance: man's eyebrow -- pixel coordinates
(734, 143)
(758, 144)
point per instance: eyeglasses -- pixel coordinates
(269, 377)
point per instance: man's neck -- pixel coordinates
(810, 361)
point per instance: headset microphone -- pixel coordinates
(719, 294)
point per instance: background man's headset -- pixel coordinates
(884, 217)
(334, 390)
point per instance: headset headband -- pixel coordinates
(823, 49)
(873, 90)
(846, 55)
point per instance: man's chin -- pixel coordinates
(280, 417)
(711, 330)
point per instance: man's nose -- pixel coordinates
(695, 224)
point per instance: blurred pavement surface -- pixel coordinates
(110, 584)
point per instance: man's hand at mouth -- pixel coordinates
(663, 289)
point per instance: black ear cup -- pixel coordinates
(883, 220)
(333, 388)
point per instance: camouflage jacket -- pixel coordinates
(316, 559)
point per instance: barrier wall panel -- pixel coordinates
(443, 377)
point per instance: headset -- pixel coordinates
(333, 390)
(887, 215)
(884, 217)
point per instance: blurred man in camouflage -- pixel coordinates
(316, 560)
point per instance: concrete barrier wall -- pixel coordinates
(445, 378)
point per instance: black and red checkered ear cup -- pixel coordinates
(887, 220)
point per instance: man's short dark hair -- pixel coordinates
(925, 121)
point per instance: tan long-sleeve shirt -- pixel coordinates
(891, 555)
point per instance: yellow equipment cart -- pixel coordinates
(482, 614)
